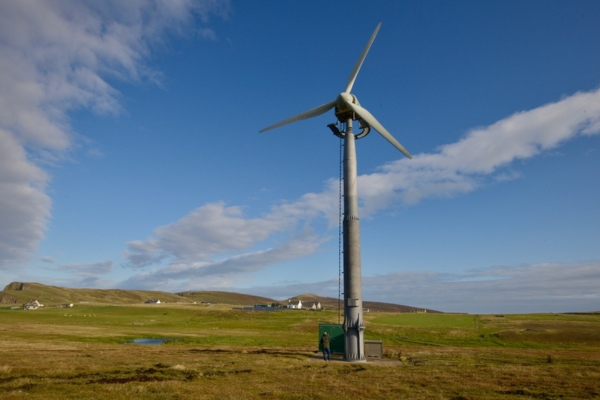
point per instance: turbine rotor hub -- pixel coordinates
(342, 111)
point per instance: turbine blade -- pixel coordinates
(371, 120)
(359, 63)
(313, 112)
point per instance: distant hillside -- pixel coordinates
(332, 303)
(22, 292)
(225, 298)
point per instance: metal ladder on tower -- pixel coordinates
(340, 233)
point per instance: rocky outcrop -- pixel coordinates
(17, 286)
(7, 299)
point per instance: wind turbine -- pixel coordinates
(347, 110)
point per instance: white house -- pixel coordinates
(152, 302)
(32, 305)
(294, 305)
(316, 306)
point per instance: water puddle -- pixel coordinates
(149, 341)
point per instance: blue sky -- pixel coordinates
(130, 155)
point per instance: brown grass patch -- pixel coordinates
(67, 363)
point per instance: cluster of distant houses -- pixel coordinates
(34, 305)
(152, 301)
(297, 305)
(292, 305)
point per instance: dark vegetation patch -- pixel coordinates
(156, 373)
(553, 333)
(351, 370)
(279, 352)
(530, 394)
(26, 386)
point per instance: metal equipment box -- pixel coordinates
(374, 349)
(336, 333)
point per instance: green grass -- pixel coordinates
(193, 324)
(535, 331)
(79, 353)
(428, 320)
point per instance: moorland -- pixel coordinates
(212, 351)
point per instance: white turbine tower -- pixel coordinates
(347, 110)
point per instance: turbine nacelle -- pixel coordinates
(343, 111)
(347, 107)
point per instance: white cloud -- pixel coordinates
(83, 275)
(181, 275)
(24, 206)
(208, 230)
(323, 204)
(55, 57)
(102, 267)
(526, 288)
(462, 166)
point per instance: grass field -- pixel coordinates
(81, 353)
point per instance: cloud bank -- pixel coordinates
(201, 243)
(56, 57)
(462, 166)
(553, 287)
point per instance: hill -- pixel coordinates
(332, 303)
(225, 298)
(22, 292)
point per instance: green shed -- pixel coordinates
(336, 332)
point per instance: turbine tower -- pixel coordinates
(347, 110)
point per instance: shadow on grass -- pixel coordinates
(274, 352)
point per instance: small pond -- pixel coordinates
(150, 341)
